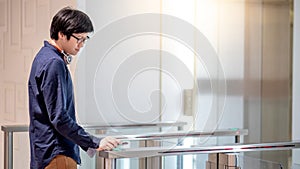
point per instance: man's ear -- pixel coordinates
(61, 35)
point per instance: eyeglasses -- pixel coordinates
(80, 40)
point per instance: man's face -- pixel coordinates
(76, 41)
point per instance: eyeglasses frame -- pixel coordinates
(80, 40)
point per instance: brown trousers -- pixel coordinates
(62, 162)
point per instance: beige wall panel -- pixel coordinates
(28, 16)
(14, 34)
(28, 57)
(3, 15)
(14, 66)
(58, 4)
(252, 63)
(1, 54)
(24, 24)
(43, 18)
(276, 74)
(22, 115)
(1, 103)
(20, 96)
(9, 102)
(276, 80)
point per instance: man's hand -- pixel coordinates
(108, 143)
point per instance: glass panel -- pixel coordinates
(185, 156)
(201, 161)
(179, 161)
(254, 163)
(296, 166)
(252, 41)
(244, 162)
(94, 162)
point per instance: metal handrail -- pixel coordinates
(9, 130)
(142, 152)
(148, 139)
(146, 152)
(25, 127)
(183, 134)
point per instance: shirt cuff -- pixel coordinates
(91, 152)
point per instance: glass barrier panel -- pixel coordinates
(245, 162)
(296, 166)
(88, 162)
(175, 161)
(204, 161)
(21, 150)
(165, 154)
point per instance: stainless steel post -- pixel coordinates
(180, 157)
(153, 162)
(100, 163)
(237, 139)
(8, 150)
(142, 161)
(150, 162)
(110, 163)
(180, 128)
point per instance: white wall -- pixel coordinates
(123, 76)
(102, 66)
(121, 73)
(222, 24)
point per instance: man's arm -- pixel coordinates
(54, 91)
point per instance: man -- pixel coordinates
(54, 132)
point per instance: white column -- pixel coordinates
(296, 80)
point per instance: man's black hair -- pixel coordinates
(68, 21)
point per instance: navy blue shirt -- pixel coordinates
(53, 128)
